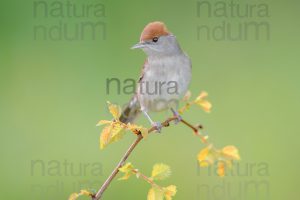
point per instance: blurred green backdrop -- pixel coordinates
(53, 93)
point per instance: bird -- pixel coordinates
(165, 75)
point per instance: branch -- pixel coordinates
(105, 185)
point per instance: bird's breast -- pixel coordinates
(164, 81)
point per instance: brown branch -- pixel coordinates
(105, 185)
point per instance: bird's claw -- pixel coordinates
(178, 117)
(158, 126)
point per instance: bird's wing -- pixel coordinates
(133, 108)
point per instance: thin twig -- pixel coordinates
(105, 185)
(147, 179)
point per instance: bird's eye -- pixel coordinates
(155, 39)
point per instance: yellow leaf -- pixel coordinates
(111, 133)
(203, 95)
(114, 110)
(206, 105)
(126, 176)
(205, 157)
(223, 157)
(160, 172)
(105, 137)
(170, 191)
(202, 102)
(231, 152)
(85, 192)
(221, 169)
(184, 108)
(102, 122)
(117, 131)
(155, 194)
(127, 170)
(138, 129)
(202, 155)
(73, 196)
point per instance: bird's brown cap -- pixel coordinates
(154, 29)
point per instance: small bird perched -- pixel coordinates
(165, 76)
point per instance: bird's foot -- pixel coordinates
(177, 115)
(158, 126)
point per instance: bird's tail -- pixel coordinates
(131, 111)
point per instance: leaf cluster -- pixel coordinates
(159, 172)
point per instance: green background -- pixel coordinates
(53, 93)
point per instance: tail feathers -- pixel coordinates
(131, 111)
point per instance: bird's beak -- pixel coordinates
(139, 45)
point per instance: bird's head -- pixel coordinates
(156, 40)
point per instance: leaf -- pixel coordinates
(111, 133)
(232, 152)
(206, 157)
(202, 102)
(202, 157)
(102, 122)
(221, 169)
(114, 110)
(184, 108)
(155, 194)
(127, 170)
(105, 137)
(74, 196)
(202, 95)
(160, 172)
(170, 191)
(206, 105)
(85, 192)
(117, 132)
(114, 130)
(138, 129)
(125, 177)
(224, 158)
